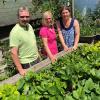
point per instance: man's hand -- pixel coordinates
(22, 72)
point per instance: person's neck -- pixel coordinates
(24, 26)
(66, 19)
(49, 26)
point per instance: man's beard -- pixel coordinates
(25, 25)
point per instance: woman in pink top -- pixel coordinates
(48, 35)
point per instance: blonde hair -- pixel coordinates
(21, 9)
(44, 16)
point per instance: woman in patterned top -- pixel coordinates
(68, 29)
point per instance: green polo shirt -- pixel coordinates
(25, 41)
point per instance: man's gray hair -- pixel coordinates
(21, 9)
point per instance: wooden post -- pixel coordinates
(72, 7)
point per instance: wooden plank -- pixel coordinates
(36, 67)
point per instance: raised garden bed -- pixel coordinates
(75, 76)
(35, 68)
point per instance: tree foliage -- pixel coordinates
(96, 12)
(90, 23)
(53, 5)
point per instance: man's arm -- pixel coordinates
(14, 54)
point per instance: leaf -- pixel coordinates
(12, 97)
(94, 96)
(84, 97)
(75, 95)
(68, 97)
(89, 85)
(92, 71)
(98, 74)
(52, 98)
(33, 97)
(97, 88)
(8, 89)
(58, 97)
(29, 75)
(40, 89)
(20, 85)
(16, 93)
(88, 97)
(53, 90)
(26, 88)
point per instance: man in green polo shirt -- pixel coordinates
(24, 50)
